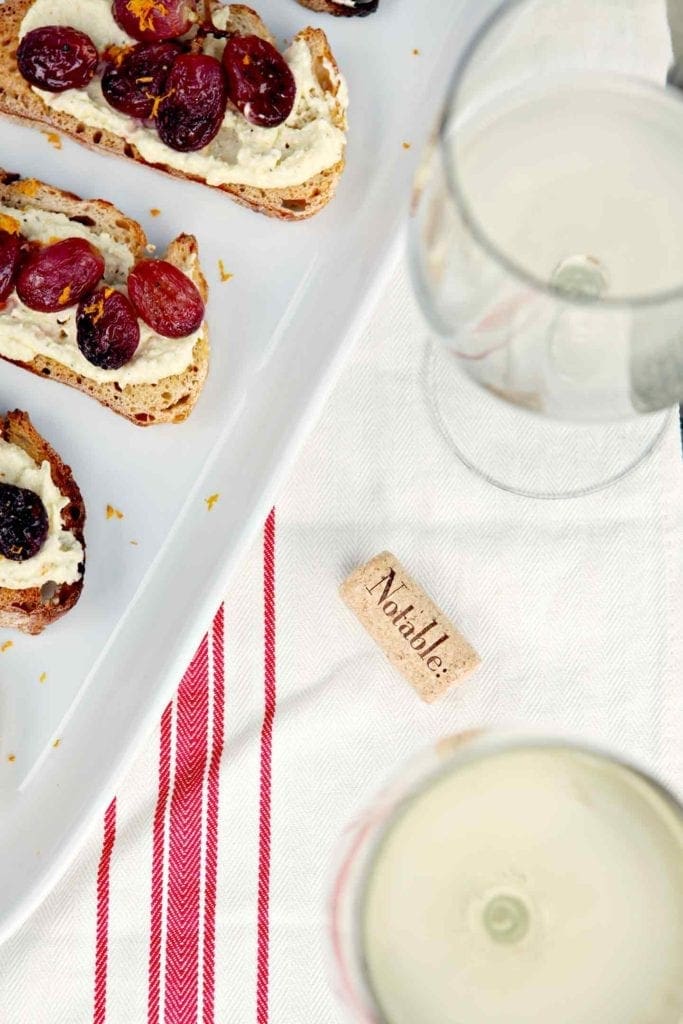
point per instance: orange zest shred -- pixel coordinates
(65, 295)
(117, 54)
(96, 309)
(113, 513)
(54, 139)
(145, 80)
(211, 501)
(246, 60)
(29, 187)
(225, 276)
(9, 224)
(6, 646)
(144, 10)
(157, 101)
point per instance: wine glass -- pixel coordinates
(512, 878)
(547, 245)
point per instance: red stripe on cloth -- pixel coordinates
(185, 844)
(153, 998)
(263, 918)
(102, 929)
(211, 869)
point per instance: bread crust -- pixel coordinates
(31, 610)
(295, 202)
(169, 400)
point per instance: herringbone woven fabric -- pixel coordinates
(200, 897)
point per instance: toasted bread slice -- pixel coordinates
(19, 101)
(33, 609)
(169, 400)
(359, 9)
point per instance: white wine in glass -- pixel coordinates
(517, 882)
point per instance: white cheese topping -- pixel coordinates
(25, 333)
(61, 556)
(308, 142)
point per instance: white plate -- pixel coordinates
(279, 329)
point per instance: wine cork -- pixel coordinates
(414, 634)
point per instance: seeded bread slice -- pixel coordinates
(171, 399)
(33, 609)
(340, 10)
(296, 202)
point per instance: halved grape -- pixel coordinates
(151, 21)
(107, 329)
(136, 85)
(10, 256)
(359, 7)
(165, 298)
(192, 112)
(59, 275)
(260, 82)
(24, 523)
(56, 58)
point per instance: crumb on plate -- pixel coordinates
(42, 677)
(6, 646)
(211, 501)
(56, 742)
(407, 145)
(113, 513)
(11, 758)
(416, 52)
(225, 275)
(154, 212)
(53, 138)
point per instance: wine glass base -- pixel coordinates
(526, 454)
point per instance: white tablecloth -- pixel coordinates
(201, 897)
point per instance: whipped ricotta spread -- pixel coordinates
(309, 141)
(25, 333)
(61, 556)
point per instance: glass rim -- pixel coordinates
(477, 745)
(481, 237)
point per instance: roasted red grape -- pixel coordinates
(135, 85)
(192, 112)
(56, 58)
(359, 7)
(59, 275)
(23, 523)
(10, 255)
(165, 298)
(151, 21)
(260, 82)
(107, 329)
